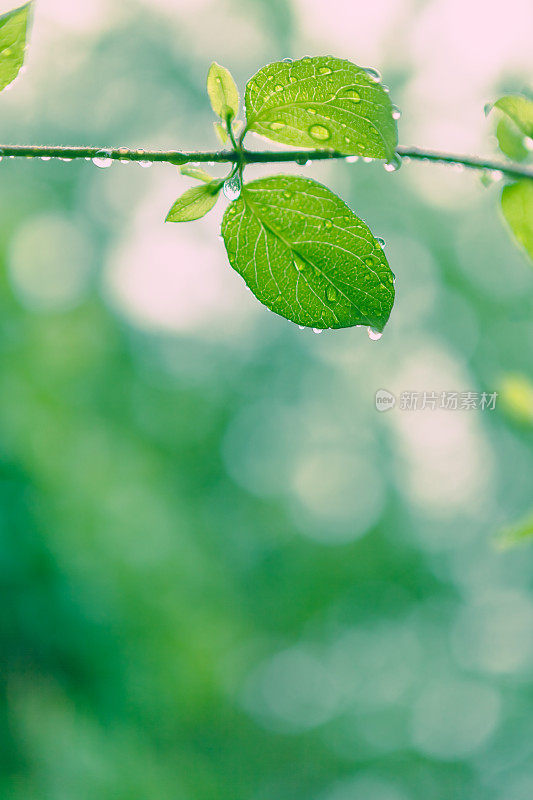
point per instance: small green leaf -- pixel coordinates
(323, 103)
(519, 533)
(517, 207)
(221, 132)
(306, 256)
(519, 109)
(511, 140)
(194, 203)
(13, 29)
(222, 91)
(196, 172)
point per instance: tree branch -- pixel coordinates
(145, 157)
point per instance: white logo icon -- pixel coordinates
(385, 400)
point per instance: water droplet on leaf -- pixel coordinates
(373, 74)
(324, 71)
(331, 294)
(374, 334)
(319, 132)
(318, 330)
(276, 126)
(349, 94)
(394, 164)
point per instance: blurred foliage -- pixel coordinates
(223, 572)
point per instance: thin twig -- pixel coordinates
(510, 169)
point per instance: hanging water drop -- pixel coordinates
(396, 113)
(232, 187)
(352, 159)
(318, 330)
(374, 334)
(319, 132)
(45, 158)
(380, 241)
(103, 159)
(394, 164)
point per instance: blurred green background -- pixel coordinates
(223, 573)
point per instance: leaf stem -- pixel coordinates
(243, 156)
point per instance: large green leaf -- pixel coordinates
(517, 207)
(13, 28)
(195, 202)
(519, 109)
(306, 256)
(222, 91)
(323, 103)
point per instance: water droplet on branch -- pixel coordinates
(232, 187)
(103, 159)
(374, 334)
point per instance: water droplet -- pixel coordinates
(495, 175)
(331, 294)
(349, 94)
(276, 126)
(370, 261)
(324, 71)
(232, 187)
(145, 164)
(373, 74)
(301, 327)
(394, 164)
(367, 159)
(328, 223)
(352, 159)
(318, 330)
(487, 108)
(381, 241)
(374, 334)
(278, 87)
(396, 113)
(61, 159)
(102, 159)
(45, 158)
(287, 60)
(311, 110)
(319, 132)
(287, 194)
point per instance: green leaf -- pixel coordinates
(323, 103)
(13, 29)
(511, 140)
(517, 207)
(194, 203)
(519, 109)
(196, 172)
(222, 91)
(518, 533)
(221, 132)
(306, 256)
